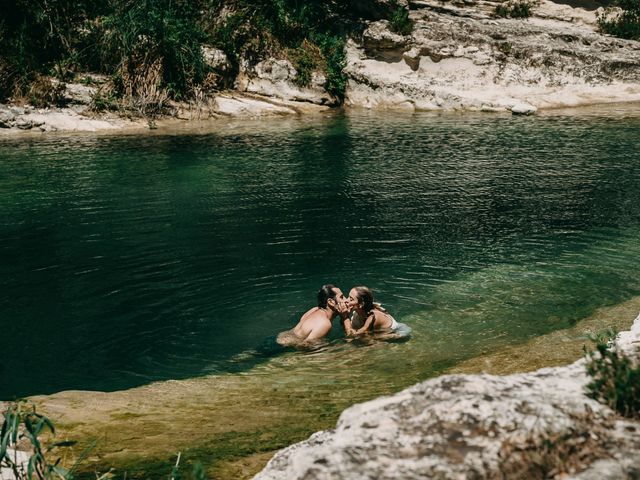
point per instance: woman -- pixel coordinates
(366, 316)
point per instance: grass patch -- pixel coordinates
(400, 22)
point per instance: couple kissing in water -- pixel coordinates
(358, 312)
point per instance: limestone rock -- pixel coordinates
(276, 78)
(6, 119)
(522, 108)
(23, 124)
(459, 57)
(473, 426)
(378, 37)
(216, 59)
(79, 94)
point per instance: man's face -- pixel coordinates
(339, 301)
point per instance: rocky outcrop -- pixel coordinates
(459, 56)
(277, 78)
(533, 425)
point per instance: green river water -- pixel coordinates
(180, 254)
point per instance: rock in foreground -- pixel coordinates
(533, 425)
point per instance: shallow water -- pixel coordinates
(129, 259)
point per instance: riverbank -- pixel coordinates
(234, 423)
(456, 58)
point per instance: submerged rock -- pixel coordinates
(533, 425)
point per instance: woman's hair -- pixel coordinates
(365, 296)
(325, 293)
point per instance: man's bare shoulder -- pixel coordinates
(312, 312)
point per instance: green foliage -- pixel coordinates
(153, 44)
(615, 377)
(22, 422)
(400, 22)
(306, 59)
(261, 28)
(514, 9)
(625, 24)
(197, 472)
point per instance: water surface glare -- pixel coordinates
(134, 258)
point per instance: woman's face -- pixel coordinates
(352, 301)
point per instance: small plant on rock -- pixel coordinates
(400, 22)
(615, 377)
(622, 20)
(514, 9)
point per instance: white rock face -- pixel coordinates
(215, 58)
(242, 105)
(276, 78)
(459, 57)
(472, 427)
(522, 108)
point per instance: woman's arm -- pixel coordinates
(368, 324)
(347, 326)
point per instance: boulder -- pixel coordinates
(522, 108)
(6, 119)
(24, 124)
(216, 59)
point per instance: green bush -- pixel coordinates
(257, 29)
(615, 377)
(516, 9)
(154, 43)
(400, 22)
(626, 24)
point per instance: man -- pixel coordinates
(316, 322)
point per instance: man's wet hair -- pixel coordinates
(325, 293)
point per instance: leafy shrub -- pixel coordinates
(615, 377)
(515, 9)
(22, 422)
(154, 45)
(306, 59)
(257, 29)
(624, 23)
(400, 22)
